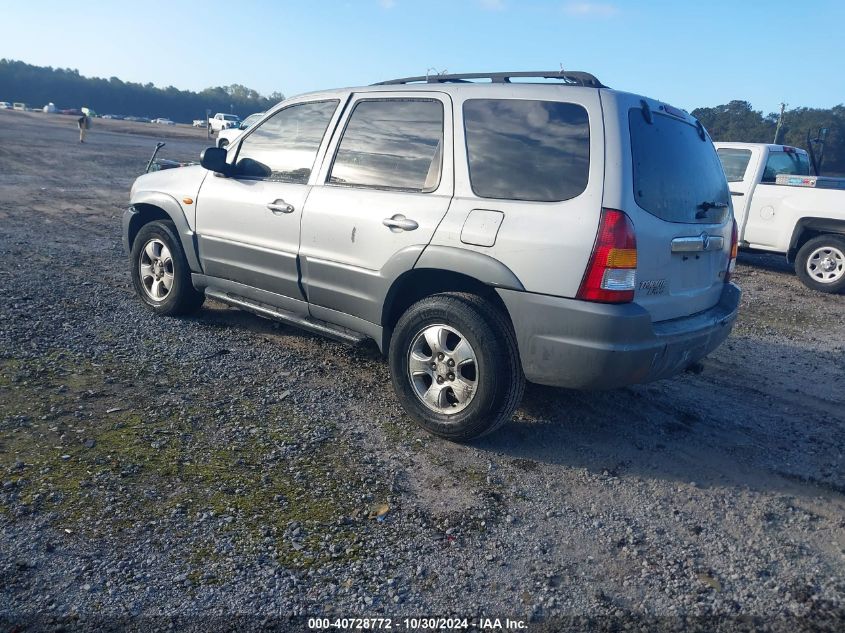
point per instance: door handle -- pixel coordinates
(280, 206)
(737, 193)
(400, 223)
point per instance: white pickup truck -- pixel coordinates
(781, 207)
(223, 121)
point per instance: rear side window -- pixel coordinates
(677, 175)
(791, 163)
(391, 144)
(283, 148)
(734, 162)
(527, 150)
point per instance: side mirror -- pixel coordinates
(214, 159)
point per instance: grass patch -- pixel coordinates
(90, 452)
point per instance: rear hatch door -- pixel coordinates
(681, 209)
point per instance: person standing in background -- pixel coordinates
(84, 123)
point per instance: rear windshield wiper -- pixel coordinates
(706, 206)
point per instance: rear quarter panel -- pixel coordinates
(546, 244)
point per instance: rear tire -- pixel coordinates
(820, 263)
(455, 366)
(160, 272)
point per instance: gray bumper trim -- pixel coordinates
(583, 345)
(128, 214)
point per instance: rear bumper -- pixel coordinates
(583, 345)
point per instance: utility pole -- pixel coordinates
(780, 122)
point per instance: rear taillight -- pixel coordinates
(734, 251)
(611, 275)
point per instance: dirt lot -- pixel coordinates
(178, 473)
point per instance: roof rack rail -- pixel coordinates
(569, 77)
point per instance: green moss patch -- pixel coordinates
(92, 453)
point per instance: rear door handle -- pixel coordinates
(280, 206)
(737, 193)
(400, 223)
(703, 242)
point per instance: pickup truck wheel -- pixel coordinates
(160, 271)
(455, 366)
(820, 263)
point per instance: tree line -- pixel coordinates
(737, 121)
(38, 85)
(67, 89)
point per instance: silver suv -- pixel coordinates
(482, 231)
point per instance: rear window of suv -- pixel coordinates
(676, 171)
(527, 150)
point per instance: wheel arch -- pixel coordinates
(809, 227)
(150, 207)
(459, 270)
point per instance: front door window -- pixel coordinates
(284, 147)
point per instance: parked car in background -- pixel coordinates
(224, 137)
(480, 233)
(17, 105)
(5, 105)
(781, 207)
(163, 121)
(200, 123)
(137, 119)
(116, 117)
(222, 121)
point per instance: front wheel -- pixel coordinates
(455, 366)
(160, 271)
(820, 264)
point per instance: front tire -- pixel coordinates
(455, 366)
(160, 272)
(820, 264)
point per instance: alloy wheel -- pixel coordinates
(156, 270)
(443, 369)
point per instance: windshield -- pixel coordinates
(677, 175)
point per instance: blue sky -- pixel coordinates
(689, 54)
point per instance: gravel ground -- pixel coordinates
(224, 471)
